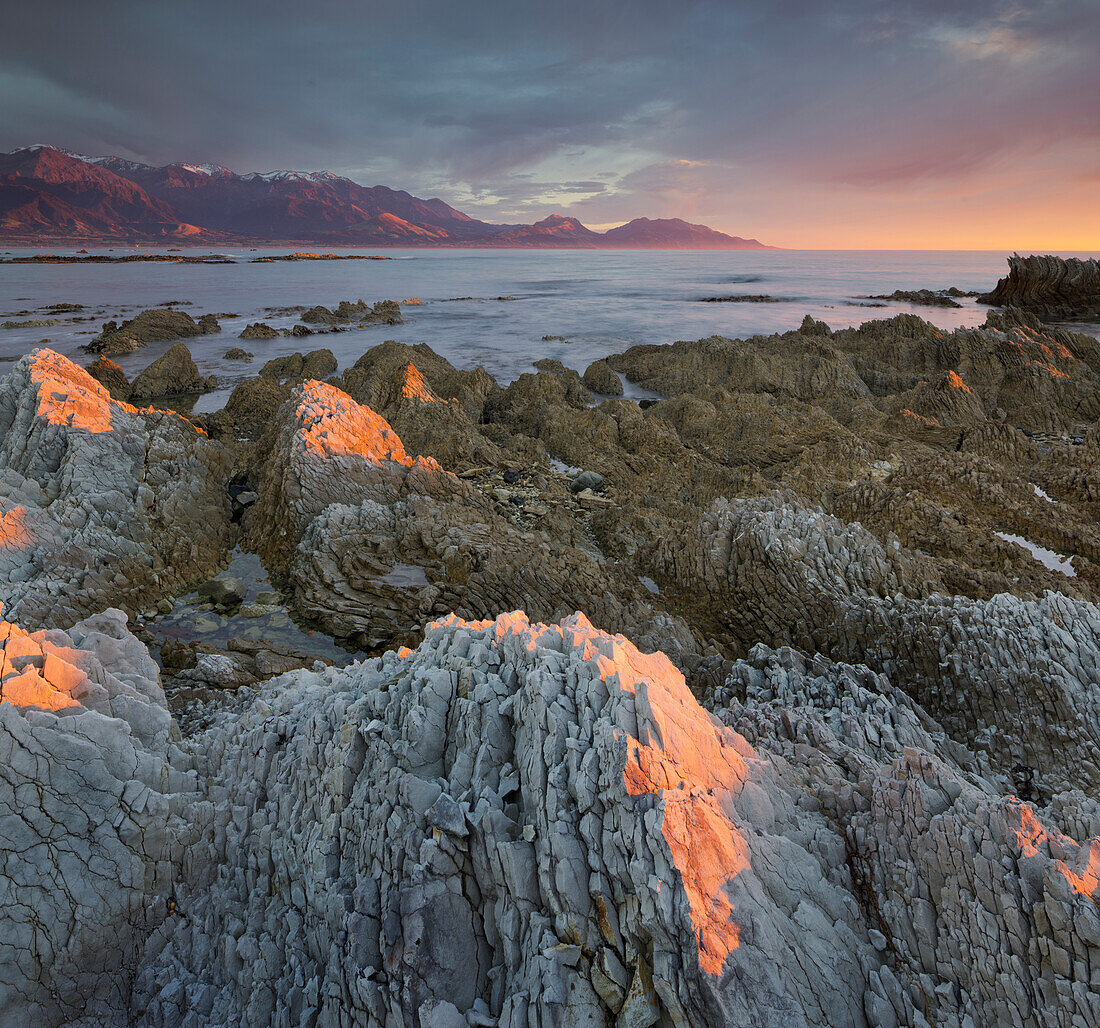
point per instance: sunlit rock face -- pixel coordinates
(540, 825)
(374, 541)
(325, 448)
(523, 824)
(101, 503)
(536, 821)
(89, 841)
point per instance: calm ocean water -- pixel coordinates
(600, 302)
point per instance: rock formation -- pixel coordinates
(101, 504)
(372, 541)
(90, 843)
(109, 375)
(172, 374)
(259, 330)
(600, 378)
(1053, 288)
(384, 312)
(152, 326)
(524, 824)
(297, 367)
(843, 772)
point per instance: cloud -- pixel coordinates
(611, 108)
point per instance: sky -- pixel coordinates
(848, 124)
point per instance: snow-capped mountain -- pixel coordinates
(49, 192)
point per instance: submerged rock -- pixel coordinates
(259, 330)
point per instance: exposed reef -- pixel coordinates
(820, 749)
(1052, 288)
(152, 326)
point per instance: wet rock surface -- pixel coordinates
(151, 326)
(172, 374)
(600, 378)
(383, 312)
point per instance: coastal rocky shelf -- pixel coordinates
(753, 706)
(1050, 287)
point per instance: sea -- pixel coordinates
(501, 309)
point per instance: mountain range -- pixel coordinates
(51, 194)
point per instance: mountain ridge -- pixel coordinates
(49, 194)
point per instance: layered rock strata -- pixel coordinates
(1054, 288)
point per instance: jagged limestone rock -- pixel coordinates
(101, 504)
(527, 824)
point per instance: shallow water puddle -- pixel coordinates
(1048, 558)
(272, 625)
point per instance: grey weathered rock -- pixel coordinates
(90, 840)
(527, 824)
(101, 504)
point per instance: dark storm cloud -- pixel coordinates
(512, 104)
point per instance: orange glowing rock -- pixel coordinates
(30, 689)
(680, 755)
(14, 532)
(905, 412)
(334, 425)
(413, 386)
(1084, 881)
(69, 396)
(1032, 839)
(35, 673)
(954, 382)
